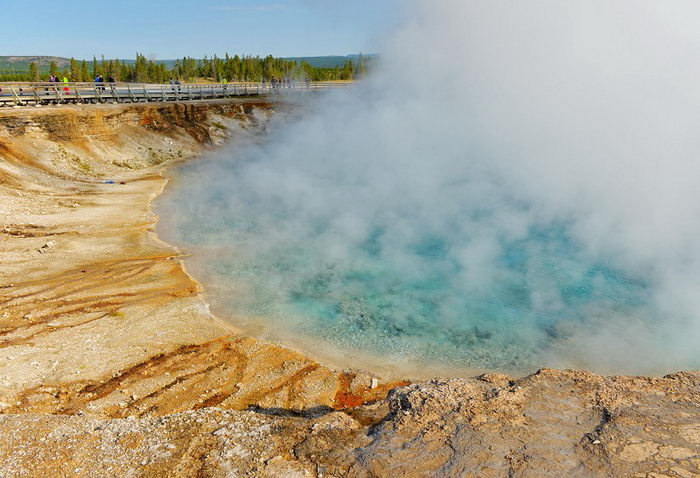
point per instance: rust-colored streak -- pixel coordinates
(203, 375)
(253, 398)
(344, 398)
(183, 364)
(86, 291)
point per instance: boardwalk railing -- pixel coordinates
(24, 94)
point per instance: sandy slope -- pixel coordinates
(98, 315)
(99, 321)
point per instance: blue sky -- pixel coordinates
(174, 28)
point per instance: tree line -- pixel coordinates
(148, 70)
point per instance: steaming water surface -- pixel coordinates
(413, 302)
(515, 186)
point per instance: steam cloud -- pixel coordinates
(525, 173)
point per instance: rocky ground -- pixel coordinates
(112, 365)
(550, 424)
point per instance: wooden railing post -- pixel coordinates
(113, 90)
(98, 95)
(18, 102)
(131, 93)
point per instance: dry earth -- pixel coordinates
(112, 366)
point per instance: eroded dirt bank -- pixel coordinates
(98, 315)
(111, 364)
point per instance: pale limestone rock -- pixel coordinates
(639, 451)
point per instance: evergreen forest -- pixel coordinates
(208, 69)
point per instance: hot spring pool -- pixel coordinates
(508, 189)
(474, 297)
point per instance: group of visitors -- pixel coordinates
(175, 85)
(55, 79)
(284, 83)
(99, 81)
(281, 83)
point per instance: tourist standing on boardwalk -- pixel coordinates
(99, 81)
(52, 79)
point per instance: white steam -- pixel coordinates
(486, 121)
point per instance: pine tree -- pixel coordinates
(74, 70)
(361, 69)
(33, 72)
(84, 73)
(53, 68)
(103, 66)
(236, 67)
(140, 69)
(118, 70)
(347, 72)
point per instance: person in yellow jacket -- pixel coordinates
(65, 80)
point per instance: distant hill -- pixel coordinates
(21, 63)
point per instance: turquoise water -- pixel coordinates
(416, 296)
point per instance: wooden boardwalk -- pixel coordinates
(28, 94)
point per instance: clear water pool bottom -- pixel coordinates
(544, 301)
